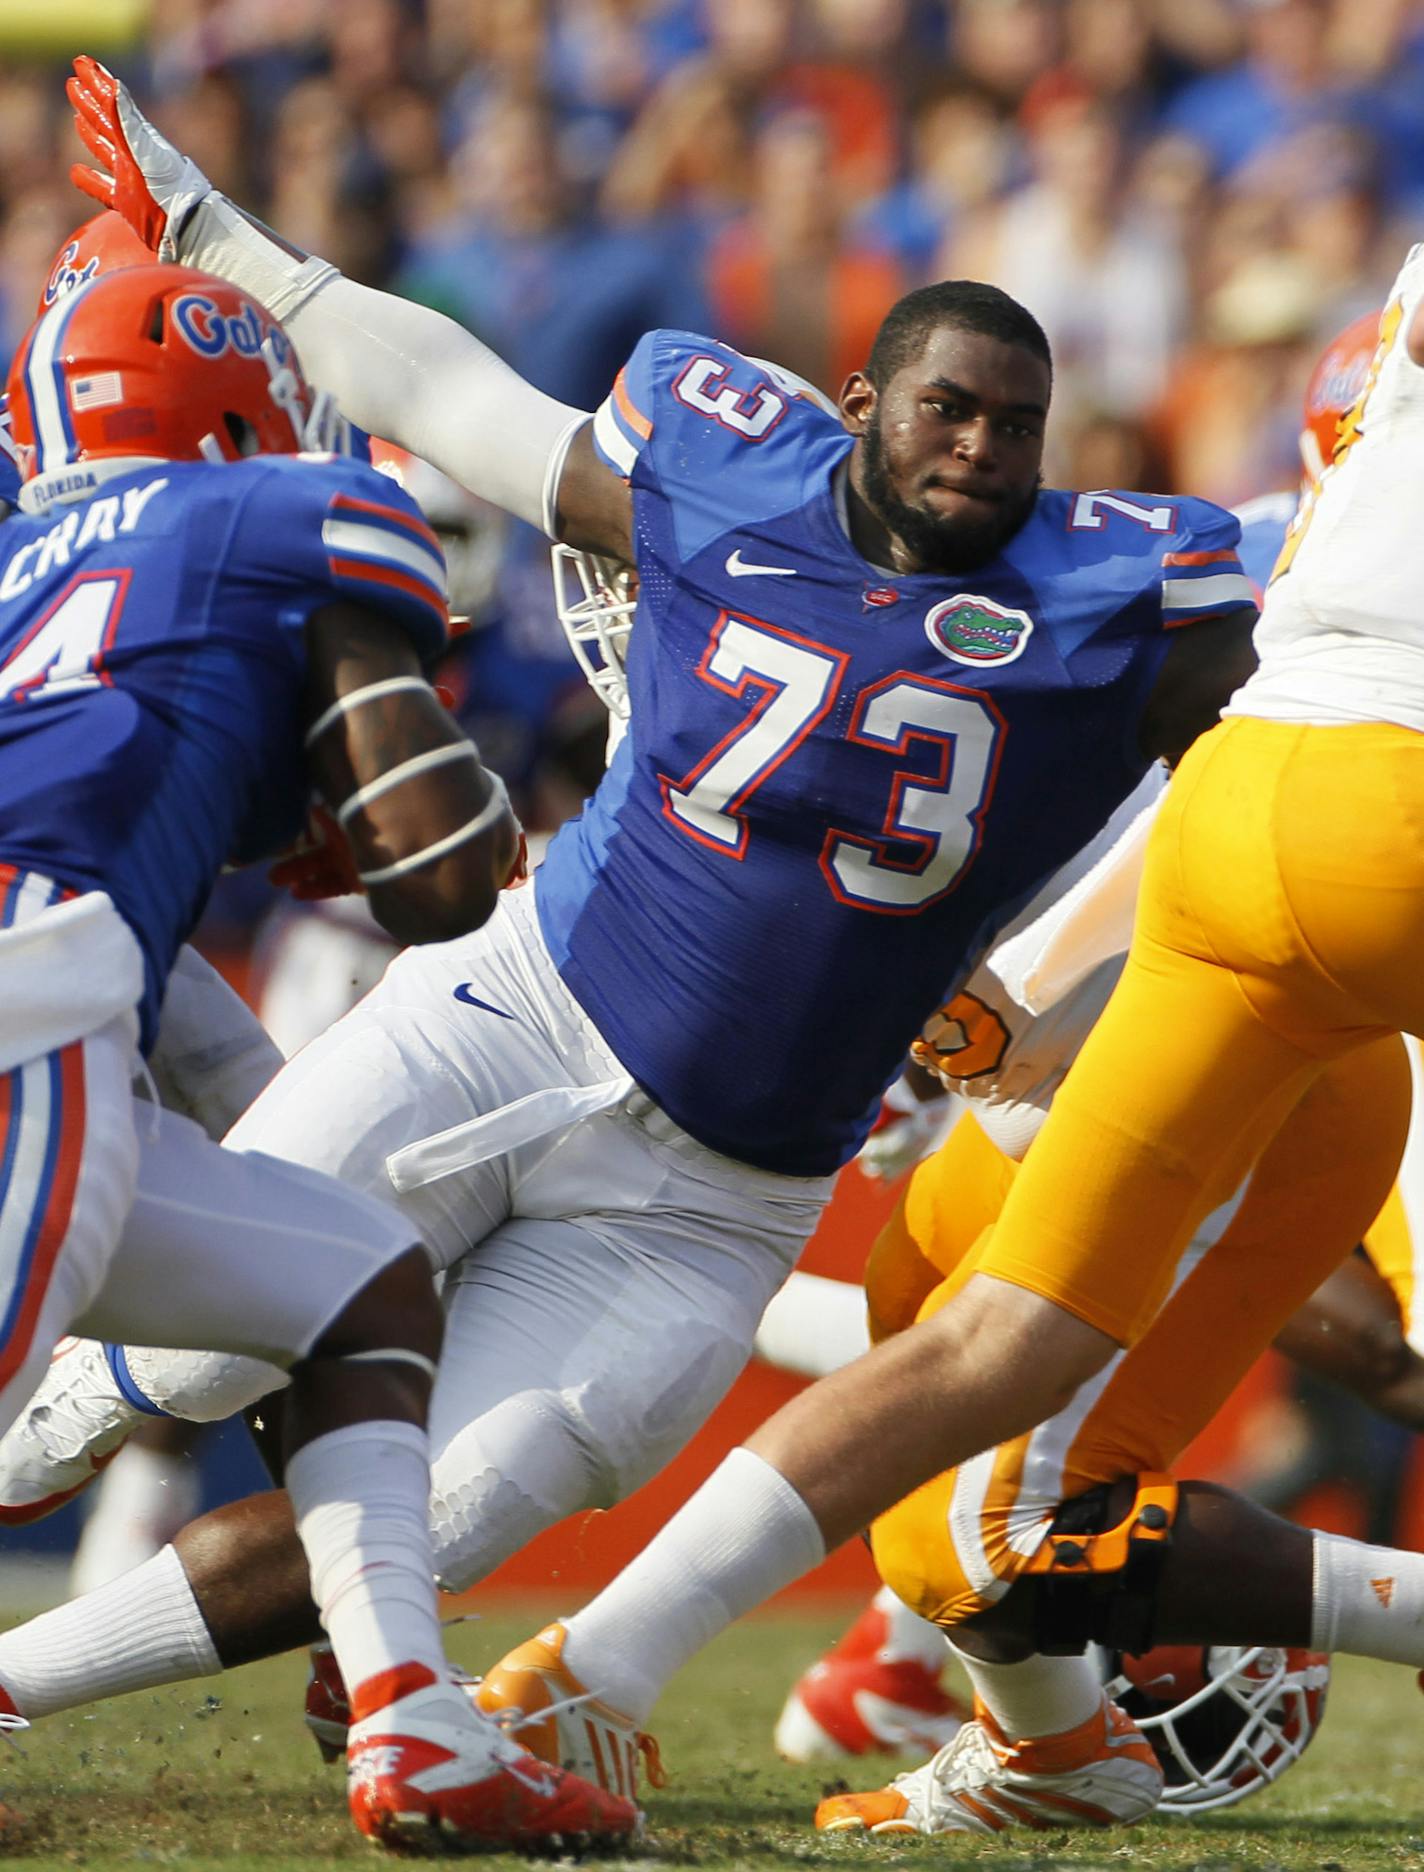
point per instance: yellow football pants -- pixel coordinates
(955, 1546)
(1280, 926)
(1279, 948)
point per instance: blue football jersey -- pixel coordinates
(152, 663)
(9, 462)
(837, 781)
(1263, 533)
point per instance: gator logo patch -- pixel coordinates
(976, 630)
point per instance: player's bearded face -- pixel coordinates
(950, 455)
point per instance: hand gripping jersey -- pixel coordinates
(837, 782)
(152, 660)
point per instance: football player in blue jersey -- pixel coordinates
(196, 627)
(882, 684)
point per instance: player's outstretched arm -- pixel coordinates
(430, 827)
(1206, 665)
(397, 369)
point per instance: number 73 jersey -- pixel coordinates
(837, 782)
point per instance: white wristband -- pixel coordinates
(219, 238)
(494, 808)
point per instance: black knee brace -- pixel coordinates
(1095, 1583)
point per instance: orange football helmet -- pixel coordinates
(152, 363)
(1335, 385)
(102, 244)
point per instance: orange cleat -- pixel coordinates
(1103, 1773)
(534, 1692)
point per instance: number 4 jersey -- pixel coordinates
(152, 665)
(837, 782)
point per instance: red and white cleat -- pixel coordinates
(426, 1772)
(862, 1699)
(328, 1707)
(1103, 1773)
(532, 1691)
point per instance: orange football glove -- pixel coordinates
(320, 865)
(151, 184)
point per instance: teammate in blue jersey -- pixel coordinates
(196, 629)
(882, 684)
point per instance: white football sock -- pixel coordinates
(142, 1500)
(137, 1632)
(361, 1500)
(1368, 1601)
(1039, 1696)
(745, 1534)
(909, 1639)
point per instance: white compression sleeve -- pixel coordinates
(398, 369)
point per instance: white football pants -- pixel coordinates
(605, 1273)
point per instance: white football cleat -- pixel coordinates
(532, 1691)
(1103, 1773)
(77, 1421)
(425, 1771)
(865, 1698)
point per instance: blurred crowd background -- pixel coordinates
(1192, 195)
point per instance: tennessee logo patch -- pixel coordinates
(1383, 1590)
(976, 630)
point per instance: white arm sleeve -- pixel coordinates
(212, 1056)
(398, 369)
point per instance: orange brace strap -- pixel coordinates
(1099, 1585)
(1149, 1519)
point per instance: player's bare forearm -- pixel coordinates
(594, 508)
(1205, 666)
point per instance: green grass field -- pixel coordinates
(230, 1780)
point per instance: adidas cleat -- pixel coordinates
(1103, 1773)
(532, 1691)
(427, 1773)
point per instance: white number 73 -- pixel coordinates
(798, 681)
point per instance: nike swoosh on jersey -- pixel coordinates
(738, 568)
(462, 993)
